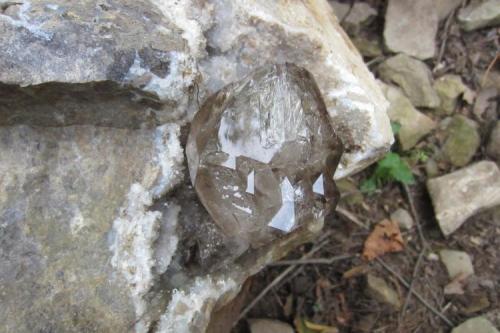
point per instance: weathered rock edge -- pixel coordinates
(108, 86)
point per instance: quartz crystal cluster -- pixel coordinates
(262, 154)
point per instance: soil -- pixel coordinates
(322, 294)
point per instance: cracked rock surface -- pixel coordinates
(100, 228)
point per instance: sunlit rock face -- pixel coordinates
(100, 228)
(248, 34)
(262, 155)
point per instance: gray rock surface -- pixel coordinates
(493, 148)
(172, 65)
(381, 291)
(55, 54)
(258, 32)
(431, 168)
(445, 7)
(457, 263)
(461, 194)
(368, 47)
(462, 140)
(403, 217)
(413, 76)
(63, 244)
(101, 230)
(414, 124)
(485, 103)
(480, 14)
(353, 19)
(475, 325)
(411, 27)
(449, 88)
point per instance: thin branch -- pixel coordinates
(488, 69)
(374, 61)
(417, 295)
(351, 5)
(351, 217)
(423, 243)
(446, 32)
(413, 278)
(416, 218)
(280, 277)
(312, 261)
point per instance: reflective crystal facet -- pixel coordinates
(262, 154)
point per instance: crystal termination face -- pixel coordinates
(262, 154)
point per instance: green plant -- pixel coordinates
(418, 155)
(396, 127)
(391, 168)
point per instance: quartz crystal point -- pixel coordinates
(262, 155)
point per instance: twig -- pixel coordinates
(351, 5)
(413, 278)
(446, 32)
(280, 277)
(423, 243)
(417, 295)
(375, 61)
(351, 217)
(409, 197)
(312, 261)
(488, 69)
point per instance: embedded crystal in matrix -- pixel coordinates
(262, 154)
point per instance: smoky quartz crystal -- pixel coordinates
(262, 154)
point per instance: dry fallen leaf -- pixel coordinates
(355, 271)
(304, 326)
(456, 286)
(386, 237)
(484, 100)
(320, 328)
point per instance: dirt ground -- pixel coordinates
(333, 293)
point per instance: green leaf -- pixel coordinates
(368, 186)
(403, 174)
(396, 127)
(391, 168)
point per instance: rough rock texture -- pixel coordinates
(257, 32)
(493, 148)
(100, 228)
(61, 234)
(403, 217)
(462, 140)
(475, 325)
(480, 14)
(445, 7)
(449, 87)
(457, 263)
(411, 27)
(461, 194)
(55, 52)
(171, 63)
(414, 124)
(353, 19)
(413, 76)
(262, 155)
(368, 47)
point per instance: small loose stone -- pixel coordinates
(461, 194)
(457, 263)
(403, 217)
